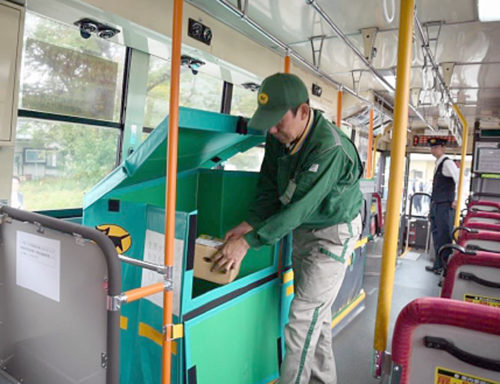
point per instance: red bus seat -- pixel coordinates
(437, 340)
(474, 278)
(484, 205)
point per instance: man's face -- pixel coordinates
(437, 151)
(290, 127)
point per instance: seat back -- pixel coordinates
(474, 278)
(484, 205)
(437, 340)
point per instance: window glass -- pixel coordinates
(244, 102)
(56, 163)
(157, 92)
(65, 74)
(199, 91)
(422, 168)
(250, 160)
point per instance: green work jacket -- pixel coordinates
(316, 187)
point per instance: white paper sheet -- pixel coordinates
(154, 253)
(38, 266)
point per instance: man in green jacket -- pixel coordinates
(308, 184)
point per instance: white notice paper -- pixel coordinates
(38, 264)
(153, 252)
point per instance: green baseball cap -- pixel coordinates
(277, 94)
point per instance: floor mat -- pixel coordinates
(411, 255)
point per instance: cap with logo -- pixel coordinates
(436, 141)
(277, 94)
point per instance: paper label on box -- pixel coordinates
(38, 264)
(209, 242)
(154, 252)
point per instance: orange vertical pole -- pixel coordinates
(339, 107)
(368, 167)
(170, 193)
(287, 64)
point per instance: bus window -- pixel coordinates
(63, 73)
(244, 102)
(199, 91)
(56, 163)
(250, 160)
(420, 180)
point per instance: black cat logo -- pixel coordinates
(119, 236)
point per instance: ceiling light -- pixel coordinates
(488, 10)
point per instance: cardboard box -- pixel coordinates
(204, 250)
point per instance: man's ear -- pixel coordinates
(304, 111)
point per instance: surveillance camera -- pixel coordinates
(207, 35)
(199, 32)
(84, 34)
(106, 33)
(89, 27)
(196, 29)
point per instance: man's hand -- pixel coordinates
(240, 230)
(230, 255)
(454, 204)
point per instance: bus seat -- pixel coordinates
(437, 340)
(474, 278)
(480, 240)
(484, 205)
(484, 226)
(479, 216)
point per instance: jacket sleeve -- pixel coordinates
(318, 177)
(266, 201)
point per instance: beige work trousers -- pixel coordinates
(319, 263)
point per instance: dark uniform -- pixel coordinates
(441, 212)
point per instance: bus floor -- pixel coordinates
(353, 346)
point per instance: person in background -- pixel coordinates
(443, 201)
(308, 184)
(16, 197)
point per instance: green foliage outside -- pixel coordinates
(57, 193)
(199, 91)
(65, 74)
(84, 155)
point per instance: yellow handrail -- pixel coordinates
(170, 192)
(465, 139)
(369, 171)
(287, 64)
(398, 149)
(339, 107)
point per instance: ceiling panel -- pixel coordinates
(461, 40)
(470, 42)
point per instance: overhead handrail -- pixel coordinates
(362, 57)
